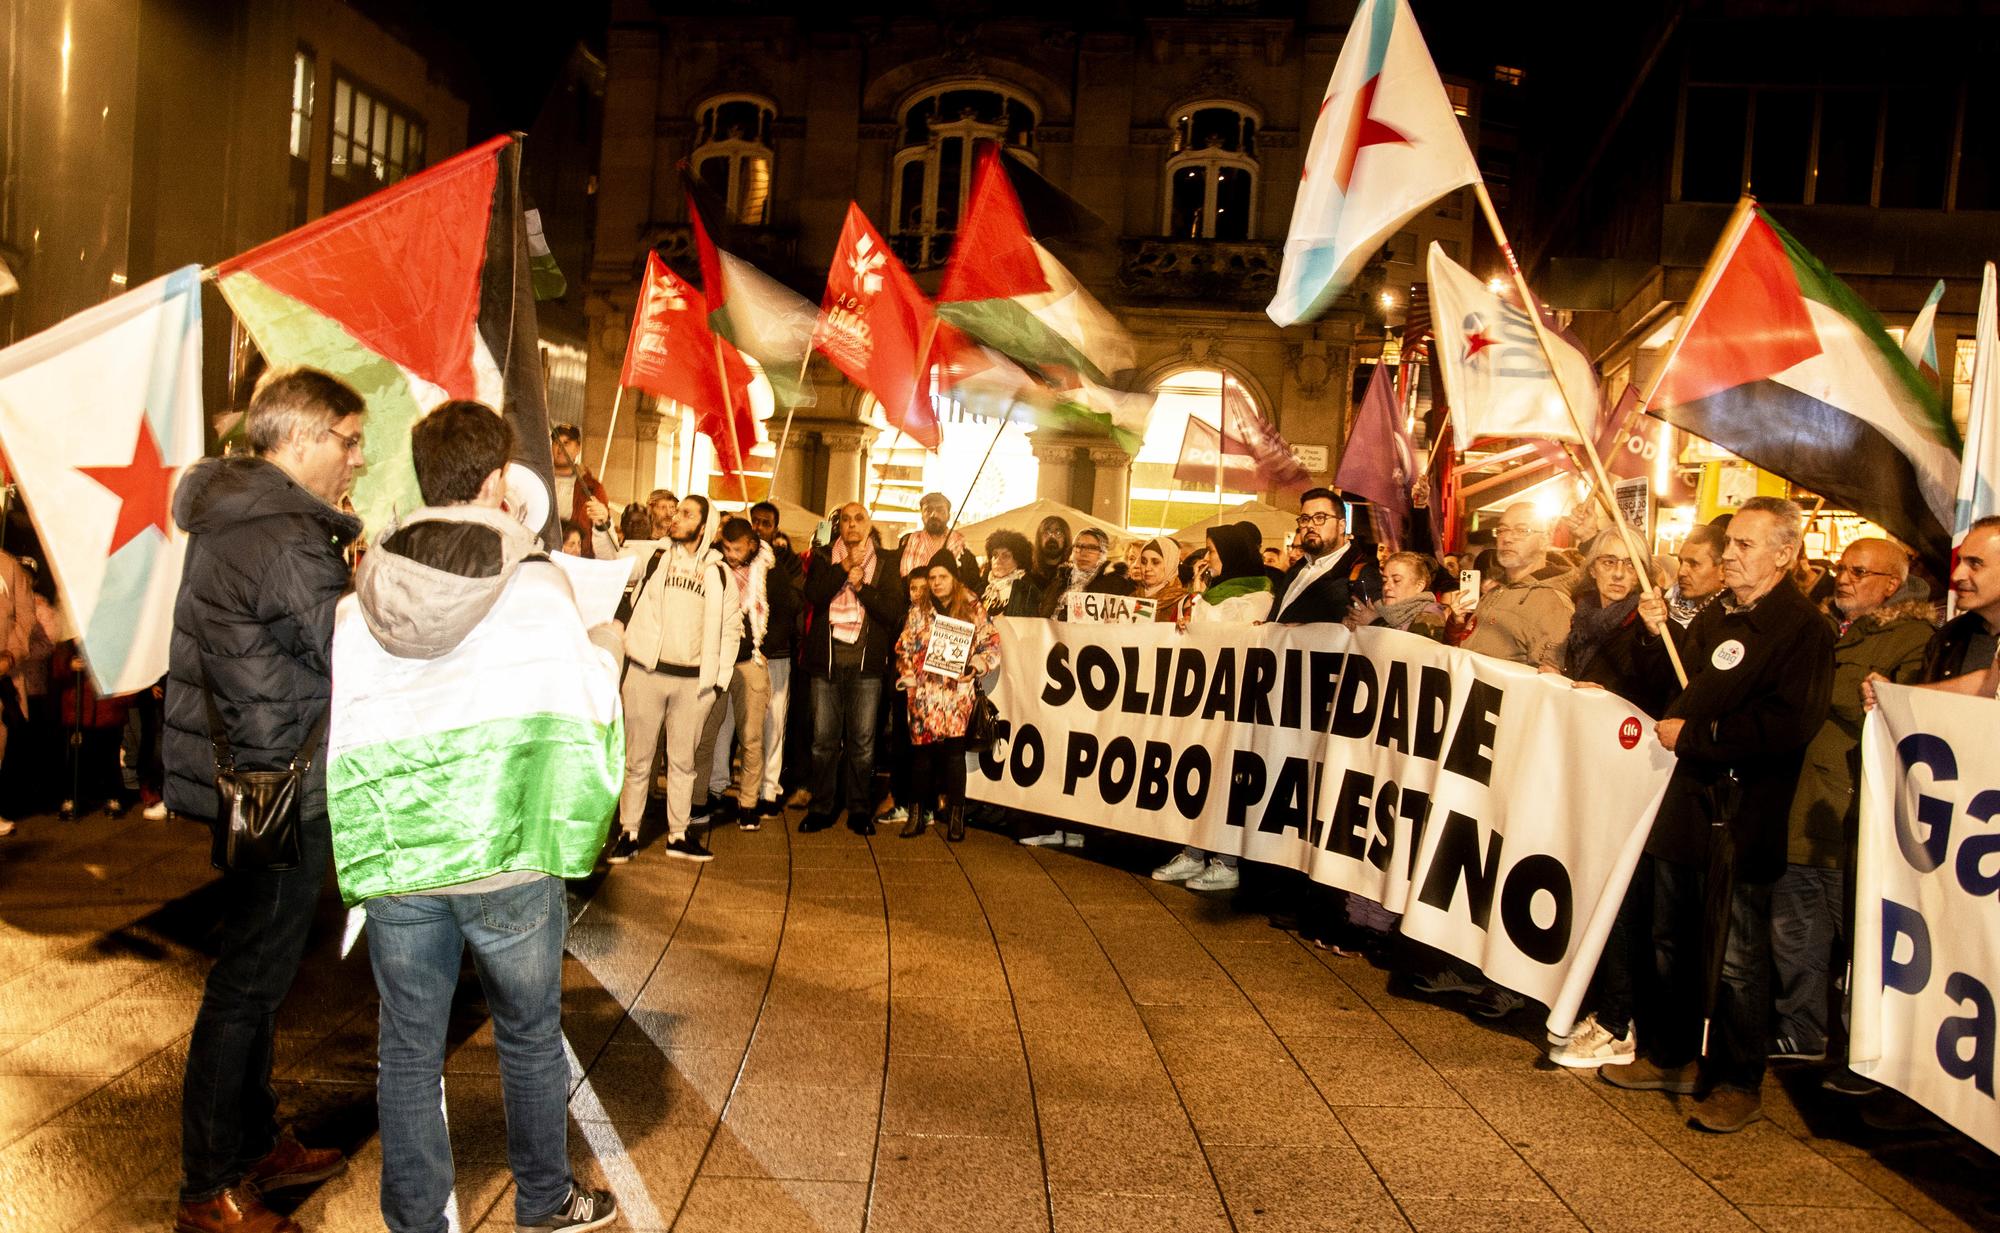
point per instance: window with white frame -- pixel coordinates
(933, 170)
(732, 153)
(1212, 172)
(375, 142)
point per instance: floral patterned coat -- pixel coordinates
(939, 708)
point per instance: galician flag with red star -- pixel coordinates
(1495, 375)
(97, 416)
(1386, 145)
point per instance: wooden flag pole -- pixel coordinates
(882, 476)
(729, 417)
(610, 431)
(785, 437)
(958, 511)
(1641, 561)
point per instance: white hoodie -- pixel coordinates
(683, 612)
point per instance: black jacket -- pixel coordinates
(263, 571)
(1353, 575)
(884, 603)
(1944, 658)
(1754, 717)
(1055, 596)
(781, 592)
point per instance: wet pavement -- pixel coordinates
(822, 1032)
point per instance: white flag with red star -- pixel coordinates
(1495, 375)
(1386, 145)
(97, 416)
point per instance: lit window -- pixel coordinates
(301, 135)
(1961, 382)
(1507, 75)
(933, 170)
(375, 143)
(1460, 97)
(732, 155)
(1212, 172)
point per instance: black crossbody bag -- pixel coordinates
(256, 824)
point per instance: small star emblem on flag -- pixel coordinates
(142, 487)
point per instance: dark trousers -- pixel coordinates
(846, 707)
(1628, 949)
(940, 769)
(1737, 1036)
(229, 1115)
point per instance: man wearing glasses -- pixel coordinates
(1879, 628)
(1527, 616)
(1334, 571)
(253, 624)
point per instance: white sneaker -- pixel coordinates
(1217, 877)
(1072, 839)
(1591, 1046)
(155, 812)
(1054, 839)
(895, 817)
(1180, 869)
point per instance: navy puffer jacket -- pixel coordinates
(264, 569)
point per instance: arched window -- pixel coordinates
(732, 153)
(1212, 172)
(933, 169)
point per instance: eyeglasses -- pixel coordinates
(1857, 573)
(351, 445)
(1317, 520)
(1507, 532)
(1614, 563)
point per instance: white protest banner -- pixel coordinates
(949, 648)
(1501, 811)
(1087, 608)
(1927, 940)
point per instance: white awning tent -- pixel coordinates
(1275, 524)
(1028, 518)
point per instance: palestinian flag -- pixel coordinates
(1781, 363)
(414, 295)
(757, 314)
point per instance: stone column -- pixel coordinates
(1111, 483)
(841, 445)
(1058, 456)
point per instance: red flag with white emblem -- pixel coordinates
(874, 323)
(673, 354)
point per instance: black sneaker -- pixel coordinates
(622, 849)
(583, 1209)
(688, 848)
(770, 808)
(748, 820)
(1789, 1048)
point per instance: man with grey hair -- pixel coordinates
(1878, 628)
(253, 626)
(1527, 616)
(1759, 675)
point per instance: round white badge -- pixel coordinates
(1728, 655)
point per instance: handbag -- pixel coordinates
(982, 727)
(256, 823)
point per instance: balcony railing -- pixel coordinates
(1233, 273)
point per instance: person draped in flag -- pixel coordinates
(253, 625)
(475, 759)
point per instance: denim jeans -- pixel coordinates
(846, 706)
(229, 1115)
(1739, 1035)
(1807, 918)
(414, 943)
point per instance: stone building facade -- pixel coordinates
(1183, 128)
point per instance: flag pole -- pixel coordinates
(785, 437)
(882, 476)
(729, 418)
(1641, 561)
(959, 511)
(611, 429)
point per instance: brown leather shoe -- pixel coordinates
(1644, 1076)
(235, 1210)
(291, 1163)
(1727, 1110)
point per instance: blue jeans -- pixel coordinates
(1808, 917)
(414, 943)
(846, 706)
(229, 1115)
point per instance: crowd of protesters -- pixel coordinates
(892, 643)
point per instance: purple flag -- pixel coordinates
(1378, 460)
(1246, 432)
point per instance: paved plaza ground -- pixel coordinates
(824, 1032)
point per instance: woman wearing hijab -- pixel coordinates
(1239, 590)
(1158, 574)
(940, 707)
(1010, 589)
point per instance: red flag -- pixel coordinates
(1207, 456)
(673, 354)
(877, 327)
(1277, 467)
(993, 257)
(1378, 460)
(399, 269)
